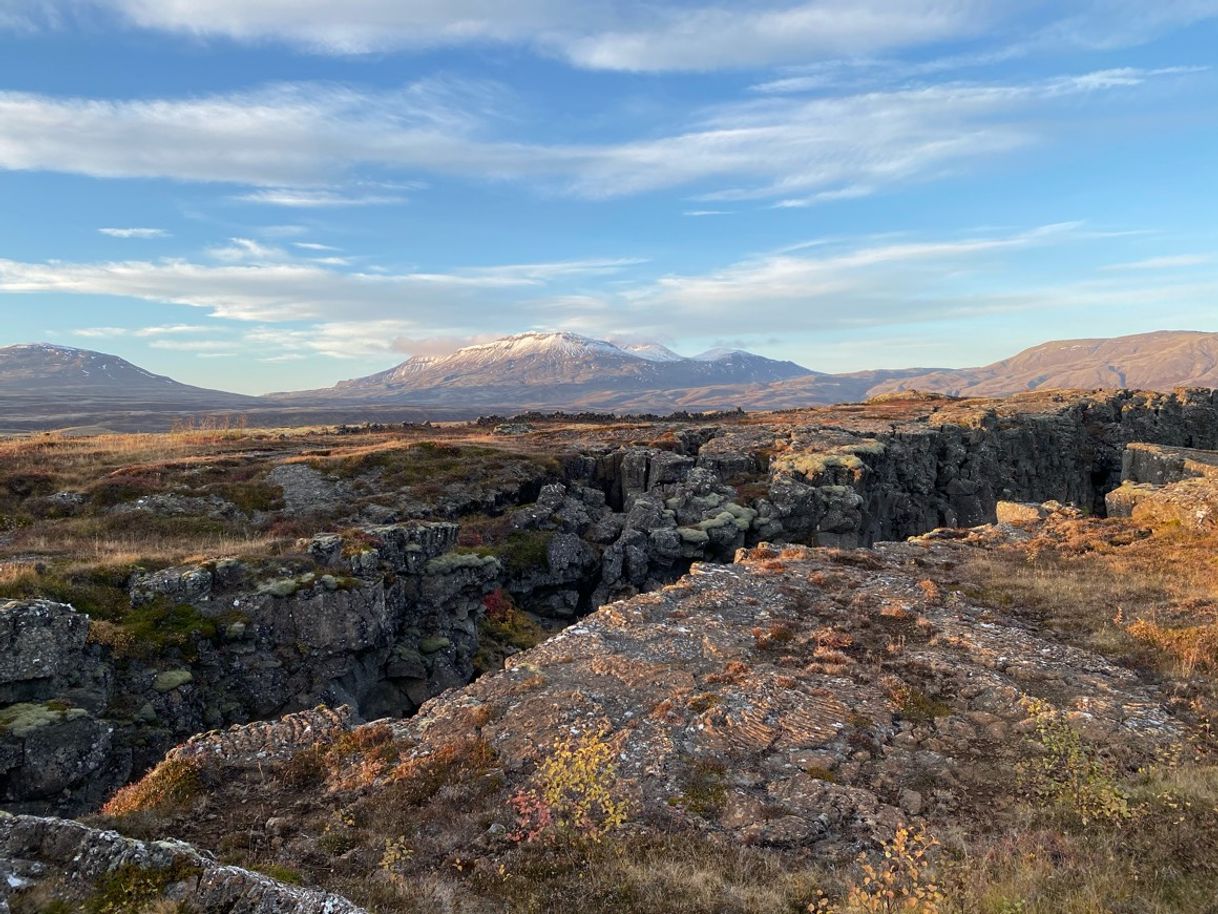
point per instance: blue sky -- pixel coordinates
(272, 194)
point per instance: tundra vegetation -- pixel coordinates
(513, 795)
(1072, 828)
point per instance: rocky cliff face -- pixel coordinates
(1167, 485)
(381, 627)
(804, 703)
(386, 615)
(103, 871)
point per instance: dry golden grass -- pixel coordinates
(110, 469)
(1163, 861)
(1147, 597)
(86, 549)
(171, 785)
(79, 458)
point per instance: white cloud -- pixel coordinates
(294, 308)
(538, 273)
(336, 339)
(173, 330)
(291, 143)
(134, 232)
(641, 36)
(246, 249)
(1109, 24)
(832, 286)
(849, 192)
(303, 198)
(199, 346)
(314, 246)
(1167, 262)
(714, 37)
(100, 332)
(166, 329)
(294, 136)
(617, 36)
(269, 289)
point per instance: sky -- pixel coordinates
(263, 195)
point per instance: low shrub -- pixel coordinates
(1068, 774)
(575, 792)
(899, 880)
(166, 789)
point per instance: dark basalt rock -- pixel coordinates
(389, 618)
(81, 719)
(74, 860)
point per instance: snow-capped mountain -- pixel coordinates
(714, 355)
(652, 352)
(558, 370)
(46, 363)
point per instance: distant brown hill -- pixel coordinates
(44, 386)
(1147, 361)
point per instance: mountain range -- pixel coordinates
(48, 386)
(556, 371)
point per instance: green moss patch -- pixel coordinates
(132, 889)
(172, 679)
(519, 552)
(100, 592)
(22, 719)
(160, 629)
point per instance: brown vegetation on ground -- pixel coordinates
(1066, 821)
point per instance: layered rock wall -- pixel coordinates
(381, 627)
(383, 618)
(90, 868)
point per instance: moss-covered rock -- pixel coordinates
(20, 720)
(172, 679)
(457, 561)
(434, 645)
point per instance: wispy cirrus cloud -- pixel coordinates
(1167, 262)
(278, 308)
(307, 198)
(640, 36)
(289, 142)
(100, 332)
(637, 36)
(134, 232)
(250, 284)
(246, 249)
(144, 332)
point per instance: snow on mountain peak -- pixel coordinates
(652, 352)
(541, 342)
(714, 355)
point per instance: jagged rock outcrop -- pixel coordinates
(246, 745)
(821, 684)
(1167, 484)
(53, 689)
(78, 865)
(379, 624)
(384, 616)
(804, 701)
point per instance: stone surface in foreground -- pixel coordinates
(79, 859)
